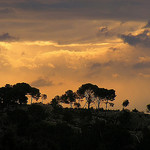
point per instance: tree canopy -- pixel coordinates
(148, 107)
(91, 93)
(125, 103)
(17, 93)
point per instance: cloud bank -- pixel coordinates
(74, 42)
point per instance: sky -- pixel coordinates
(57, 45)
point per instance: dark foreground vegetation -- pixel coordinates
(42, 127)
(52, 127)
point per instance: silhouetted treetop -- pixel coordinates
(94, 94)
(35, 93)
(88, 86)
(148, 107)
(68, 98)
(125, 103)
(17, 93)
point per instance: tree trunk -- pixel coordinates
(98, 104)
(106, 104)
(70, 104)
(88, 104)
(31, 100)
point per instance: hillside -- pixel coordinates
(44, 127)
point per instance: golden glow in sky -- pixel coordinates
(56, 46)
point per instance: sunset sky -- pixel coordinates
(56, 45)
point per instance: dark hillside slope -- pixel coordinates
(42, 127)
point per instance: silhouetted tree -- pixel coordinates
(35, 93)
(68, 98)
(88, 91)
(93, 94)
(44, 97)
(125, 103)
(78, 98)
(6, 95)
(20, 90)
(101, 94)
(17, 94)
(55, 102)
(109, 96)
(148, 107)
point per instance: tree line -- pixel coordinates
(52, 127)
(91, 94)
(17, 94)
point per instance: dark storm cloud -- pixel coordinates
(96, 66)
(7, 37)
(67, 4)
(103, 31)
(96, 9)
(142, 65)
(6, 11)
(142, 39)
(32, 5)
(42, 82)
(106, 32)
